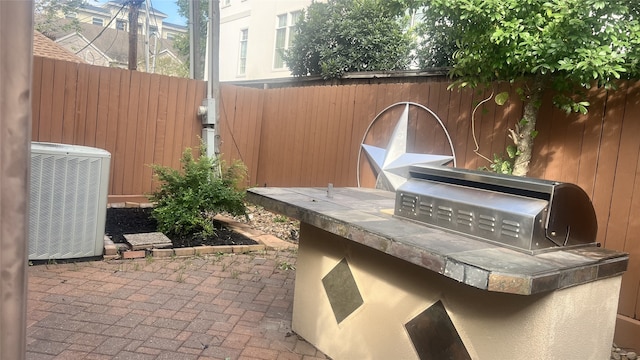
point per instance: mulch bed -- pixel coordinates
(122, 221)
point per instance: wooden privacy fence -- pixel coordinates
(310, 136)
(140, 118)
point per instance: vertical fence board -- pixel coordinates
(161, 123)
(460, 130)
(179, 123)
(131, 133)
(591, 141)
(542, 149)
(319, 163)
(119, 155)
(364, 114)
(103, 108)
(607, 159)
(46, 100)
(69, 117)
(349, 148)
(453, 115)
(331, 139)
(140, 143)
(267, 109)
(227, 119)
(441, 144)
(91, 109)
(57, 106)
(150, 139)
(112, 123)
(310, 134)
(37, 76)
(296, 122)
(170, 122)
(244, 118)
(336, 123)
(189, 118)
(254, 143)
(557, 138)
(81, 103)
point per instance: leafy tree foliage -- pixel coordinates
(436, 41)
(47, 14)
(348, 35)
(564, 45)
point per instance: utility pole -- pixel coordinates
(134, 7)
(194, 39)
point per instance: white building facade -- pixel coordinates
(253, 36)
(115, 15)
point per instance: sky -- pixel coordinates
(170, 8)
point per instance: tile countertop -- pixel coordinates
(366, 216)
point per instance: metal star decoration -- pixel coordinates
(392, 164)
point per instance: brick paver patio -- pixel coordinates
(223, 306)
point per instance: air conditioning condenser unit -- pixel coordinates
(68, 201)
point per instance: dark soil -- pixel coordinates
(122, 221)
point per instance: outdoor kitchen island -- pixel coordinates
(371, 285)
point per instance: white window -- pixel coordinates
(226, 2)
(121, 25)
(281, 41)
(97, 21)
(286, 25)
(171, 36)
(242, 63)
(293, 25)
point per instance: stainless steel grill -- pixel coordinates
(530, 215)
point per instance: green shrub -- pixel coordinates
(187, 200)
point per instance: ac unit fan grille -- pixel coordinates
(67, 197)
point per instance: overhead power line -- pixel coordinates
(103, 30)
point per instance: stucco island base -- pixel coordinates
(572, 323)
(373, 286)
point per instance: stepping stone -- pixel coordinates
(154, 240)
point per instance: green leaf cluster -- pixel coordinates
(348, 36)
(503, 165)
(186, 200)
(577, 42)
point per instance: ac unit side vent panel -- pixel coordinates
(68, 202)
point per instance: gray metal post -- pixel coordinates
(194, 39)
(213, 79)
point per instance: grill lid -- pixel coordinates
(527, 214)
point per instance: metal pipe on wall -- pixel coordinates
(210, 133)
(16, 56)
